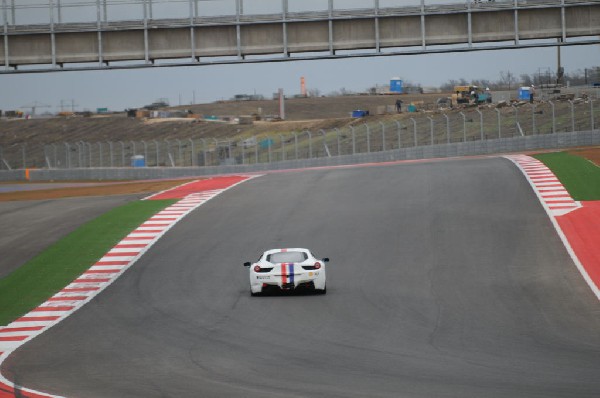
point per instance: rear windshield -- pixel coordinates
(287, 257)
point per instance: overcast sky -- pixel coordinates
(119, 89)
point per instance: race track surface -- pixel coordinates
(447, 279)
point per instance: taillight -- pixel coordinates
(257, 268)
(317, 265)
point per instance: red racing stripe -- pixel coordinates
(91, 280)
(13, 338)
(22, 329)
(283, 274)
(102, 263)
(37, 318)
(102, 271)
(49, 309)
(67, 298)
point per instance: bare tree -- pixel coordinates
(507, 79)
(526, 80)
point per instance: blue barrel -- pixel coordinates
(138, 161)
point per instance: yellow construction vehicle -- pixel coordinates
(470, 95)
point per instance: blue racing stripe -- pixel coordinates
(291, 273)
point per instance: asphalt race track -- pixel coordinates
(446, 279)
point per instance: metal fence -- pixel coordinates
(456, 149)
(362, 137)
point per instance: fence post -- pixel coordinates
(399, 131)
(256, 149)
(368, 138)
(156, 148)
(282, 146)
(296, 144)
(4, 161)
(447, 128)
(89, 145)
(83, 154)
(572, 116)
(480, 124)
(533, 119)
(24, 154)
(67, 155)
(243, 150)
(229, 151)
(553, 119)
(327, 152)
(592, 112)
(55, 150)
(309, 144)
(414, 129)
(430, 128)
(382, 136)
(499, 125)
(464, 126)
(517, 125)
(337, 132)
(179, 153)
(353, 140)
(192, 153)
(145, 153)
(46, 157)
(122, 153)
(216, 148)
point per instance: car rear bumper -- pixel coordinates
(299, 280)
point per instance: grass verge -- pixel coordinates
(53, 269)
(578, 175)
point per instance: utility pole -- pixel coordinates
(560, 71)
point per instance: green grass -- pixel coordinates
(579, 176)
(53, 269)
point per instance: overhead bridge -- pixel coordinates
(282, 36)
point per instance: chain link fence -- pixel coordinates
(408, 130)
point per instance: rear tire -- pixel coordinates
(321, 291)
(255, 294)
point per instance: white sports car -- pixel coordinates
(287, 269)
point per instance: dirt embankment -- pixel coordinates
(301, 113)
(117, 188)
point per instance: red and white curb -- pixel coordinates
(98, 277)
(557, 202)
(553, 195)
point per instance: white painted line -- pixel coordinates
(116, 258)
(142, 235)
